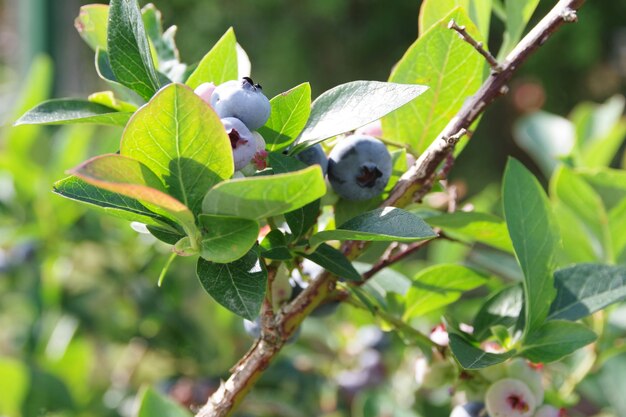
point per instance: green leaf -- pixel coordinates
(219, 64)
(153, 404)
(168, 236)
(594, 121)
(303, 219)
(111, 203)
(437, 286)
(289, 114)
(46, 391)
(555, 340)
(546, 138)
(529, 220)
(65, 111)
(274, 246)
(334, 262)
(570, 189)
(239, 286)
(601, 151)
(480, 13)
(518, 13)
(131, 178)
(453, 71)
(284, 163)
(108, 99)
(386, 224)
(164, 44)
(433, 11)
(502, 309)
(129, 50)
(610, 184)
(352, 105)
(617, 225)
(472, 357)
(300, 221)
(474, 227)
(91, 24)
(583, 289)
(14, 383)
(260, 197)
(226, 239)
(104, 70)
(578, 245)
(182, 141)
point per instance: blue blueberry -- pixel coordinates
(314, 155)
(473, 409)
(241, 140)
(243, 100)
(359, 167)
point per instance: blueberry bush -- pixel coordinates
(502, 305)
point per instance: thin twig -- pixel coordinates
(493, 63)
(384, 262)
(412, 186)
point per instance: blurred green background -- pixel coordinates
(82, 322)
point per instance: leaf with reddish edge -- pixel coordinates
(126, 176)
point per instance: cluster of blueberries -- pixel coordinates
(358, 167)
(243, 108)
(516, 391)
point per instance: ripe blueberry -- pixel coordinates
(510, 398)
(314, 155)
(241, 140)
(359, 167)
(472, 409)
(243, 100)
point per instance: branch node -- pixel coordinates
(496, 67)
(454, 139)
(569, 15)
(504, 90)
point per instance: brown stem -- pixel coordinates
(493, 63)
(385, 261)
(412, 186)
